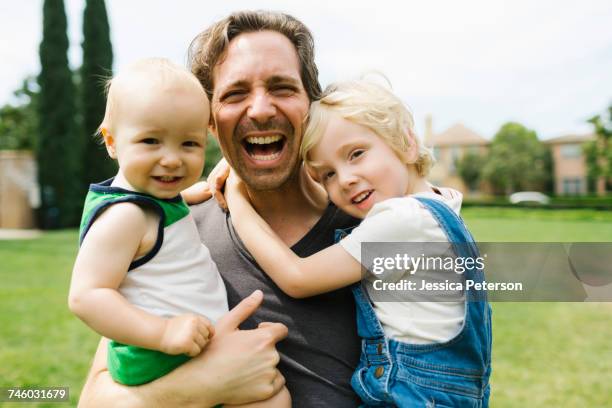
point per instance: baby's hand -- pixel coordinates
(186, 334)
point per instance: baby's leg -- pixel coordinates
(281, 400)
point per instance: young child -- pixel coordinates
(142, 277)
(360, 145)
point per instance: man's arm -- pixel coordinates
(238, 366)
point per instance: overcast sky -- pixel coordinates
(544, 63)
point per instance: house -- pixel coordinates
(450, 146)
(18, 189)
(569, 164)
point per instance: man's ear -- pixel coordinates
(109, 142)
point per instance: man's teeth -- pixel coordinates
(361, 197)
(266, 157)
(263, 140)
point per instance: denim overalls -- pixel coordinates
(451, 374)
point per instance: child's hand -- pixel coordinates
(197, 193)
(186, 334)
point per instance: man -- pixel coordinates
(258, 69)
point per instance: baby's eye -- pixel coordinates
(356, 153)
(191, 143)
(149, 140)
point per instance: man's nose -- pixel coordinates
(261, 109)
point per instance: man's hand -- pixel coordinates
(237, 366)
(186, 334)
(216, 181)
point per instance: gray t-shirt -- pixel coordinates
(322, 349)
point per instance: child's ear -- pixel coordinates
(109, 142)
(411, 155)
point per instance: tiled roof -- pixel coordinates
(570, 139)
(457, 135)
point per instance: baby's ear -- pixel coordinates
(109, 142)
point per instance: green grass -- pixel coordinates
(545, 354)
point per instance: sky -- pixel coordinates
(546, 64)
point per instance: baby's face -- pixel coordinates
(357, 168)
(159, 139)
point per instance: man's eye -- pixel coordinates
(283, 90)
(233, 96)
(149, 140)
(356, 153)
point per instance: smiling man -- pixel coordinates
(258, 70)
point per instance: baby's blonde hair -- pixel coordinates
(371, 105)
(153, 71)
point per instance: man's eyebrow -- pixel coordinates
(277, 79)
(240, 83)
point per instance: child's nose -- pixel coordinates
(171, 160)
(346, 179)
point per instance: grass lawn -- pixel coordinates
(545, 354)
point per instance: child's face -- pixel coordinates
(159, 140)
(357, 168)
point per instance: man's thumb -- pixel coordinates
(232, 319)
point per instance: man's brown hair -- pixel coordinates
(208, 47)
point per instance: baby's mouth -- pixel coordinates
(167, 179)
(264, 148)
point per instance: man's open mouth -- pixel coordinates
(264, 148)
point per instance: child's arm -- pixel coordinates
(109, 247)
(329, 269)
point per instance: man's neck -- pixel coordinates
(287, 210)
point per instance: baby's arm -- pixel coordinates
(327, 270)
(109, 247)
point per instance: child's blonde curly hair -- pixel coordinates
(371, 105)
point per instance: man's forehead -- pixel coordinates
(264, 56)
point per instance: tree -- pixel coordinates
(18, 122)
(469, 168)
(97, 66)
(599, 152)
(517, 161)
(59, 148)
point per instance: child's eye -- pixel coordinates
(191, 143)
(356, 153)
(328, 175)
(149, 140)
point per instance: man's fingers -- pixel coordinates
(220, 199)
(277, 331)
(232, 319)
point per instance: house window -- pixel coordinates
(455, 155)
(572, 186)
(571, 151)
